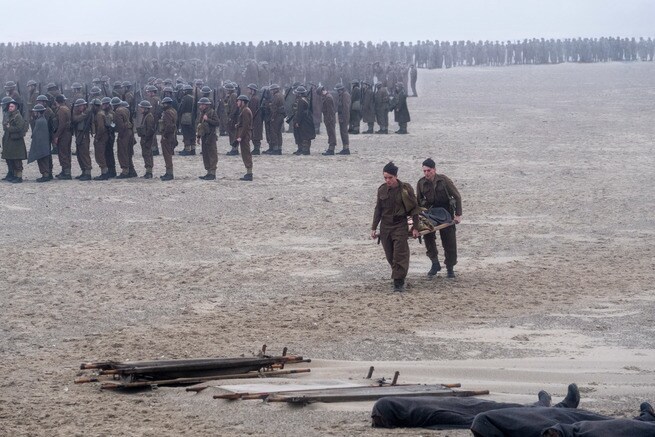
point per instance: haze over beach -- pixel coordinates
(338, 20)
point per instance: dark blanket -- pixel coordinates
(40, 147)
(528, 422)
(603, 428)
(431, 412)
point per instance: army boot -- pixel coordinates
(104, 176)
(148, 174)
(85, 176)
(246, 177)
(399, 285)
(167, 177)
(450, 272)
(328, 152)
(572, 398)
(233, 152)
(45, 177)
(256, 150)
(132, 173)
(436, 267)
(9, 176)
(344, 151)
(544, 399)
(64, 175)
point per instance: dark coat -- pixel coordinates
(400, 111)
(13, 139)
(40, 146)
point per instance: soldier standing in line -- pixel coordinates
(437, 190)
(76, 87)
(244, 128)
(278, 114)
(208, 122)
(153, 98)
(62, 137)
(82, 120)
(257, 121)
(128, 96)
(303, 122)
(168, 136)
(329, 119)
(40, 144)
(146, 132)
(395, 202)
(124, 138)
(117, 90)
(110, 158)
(368, 106)
(343, 110)
(10, 91)
(355, 108)
(400, 110)
(100, 139)
(13, 142)
(186, 121)
(413, 73)
(232, 113)
(381, 104)
(32, 93)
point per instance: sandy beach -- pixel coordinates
(556, 273)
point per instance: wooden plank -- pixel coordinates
(369, 393)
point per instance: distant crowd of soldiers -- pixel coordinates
(108, 117)
(285, 63)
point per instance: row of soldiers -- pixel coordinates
(199, 114)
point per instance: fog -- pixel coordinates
(337, 20)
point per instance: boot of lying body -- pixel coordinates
(572, 399)
(544, 399)
(646, 413)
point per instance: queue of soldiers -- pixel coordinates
(163, 109)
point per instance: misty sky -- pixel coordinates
(335, 20)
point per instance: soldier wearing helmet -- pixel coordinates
(82, 119)
(62, 137)
(343, 112)
(168, 136)
(232, 113)
(32, 93)
(11, 91)
(117, 90)
(208, 121)
(146, 131)
(152, 96)
(124, 139)
(107, 107)
(243, 132)
(40, 143)
(186, 113)
(302, 121)
(329, 119)
(76, 87)
(277, 114)
(13, 142)
(257, 120)
(101, 138)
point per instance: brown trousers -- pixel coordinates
(188, 137)
(343, 130)
(146, 151)
(168, 143)
(246, 154)
(449, 243)
(83, 147)
(331, 130)
(276, 133)
(45, 165)
(124, 150)
(14, 165)
(65, 156)
(396, 249)
(209, 152)
(99, 145)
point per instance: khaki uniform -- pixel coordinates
(63, 137)
(343, 110)
(243, 131)
(169, 137)
(391, 211)
(278, 113)
(436, 194)
(257, 122)
(206, 131)
(146, 132)
(381, 103)
(232, 111)
(100, 139)
(329, 120)
(83, 138)
(125, 136)
(186, 122)
(156, 112)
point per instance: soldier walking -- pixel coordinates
(395, 202)
(437, 190)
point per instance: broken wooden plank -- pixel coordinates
(112, 385)
(368, 393)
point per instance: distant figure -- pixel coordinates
(413, 73)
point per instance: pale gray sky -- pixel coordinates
(335, 20)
